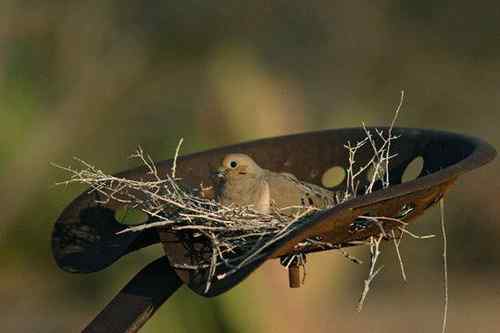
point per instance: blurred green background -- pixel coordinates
(95, 79)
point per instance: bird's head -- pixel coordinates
(238, 166)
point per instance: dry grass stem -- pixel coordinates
(174, 165)
(397, 241)
(445, 266)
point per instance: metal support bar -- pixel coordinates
(129, 310)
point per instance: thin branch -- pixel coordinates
(350, 257)
(396, 114)
(413, 235)
(374, 254)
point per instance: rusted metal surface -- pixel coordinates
(294, 275)
(85, 239)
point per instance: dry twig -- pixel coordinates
(374, 254)
(236, 235)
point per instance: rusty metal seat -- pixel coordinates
(85, 240)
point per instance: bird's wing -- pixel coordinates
(286, 191)
(263, 197)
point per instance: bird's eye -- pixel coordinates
(233, 164)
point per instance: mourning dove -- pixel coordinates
(245, 183)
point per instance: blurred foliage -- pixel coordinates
(95, 79)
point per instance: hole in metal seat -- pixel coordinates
(413, 170)
(333, 176)
(130, 216)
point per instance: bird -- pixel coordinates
(245, 183)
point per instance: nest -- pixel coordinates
(235, 235)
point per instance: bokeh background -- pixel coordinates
(95, 79)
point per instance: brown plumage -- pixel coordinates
(245, 183)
